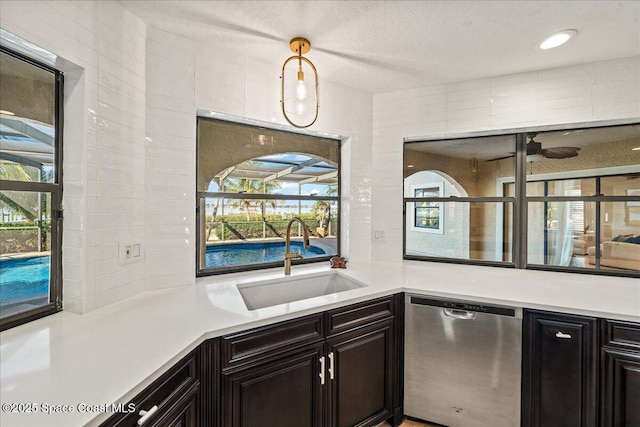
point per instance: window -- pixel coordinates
(31, 190)
(452, 201)
(251, 184)
(565, 200)
(428, 215)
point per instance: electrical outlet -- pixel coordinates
(129, 252)
(379, 234)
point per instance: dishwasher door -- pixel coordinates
(462, 362)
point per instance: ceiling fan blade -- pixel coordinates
(560, 152)
(500, 158)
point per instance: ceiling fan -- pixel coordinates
(536, 152)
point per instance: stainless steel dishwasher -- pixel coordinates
(462, 362)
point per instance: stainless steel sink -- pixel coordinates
(267, 293)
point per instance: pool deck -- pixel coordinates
(23, 255)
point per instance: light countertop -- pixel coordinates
(112, 353)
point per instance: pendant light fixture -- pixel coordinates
(299, 96)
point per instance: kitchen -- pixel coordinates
(132, 93)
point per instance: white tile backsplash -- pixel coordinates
(170, 160)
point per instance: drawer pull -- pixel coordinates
(322, 370)
(331, 365)
(144, 415)
(562, 335)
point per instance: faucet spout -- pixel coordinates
(288, 255)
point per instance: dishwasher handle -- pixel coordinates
(459, 314)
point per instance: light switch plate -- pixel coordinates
(129, 252)
(379, 234)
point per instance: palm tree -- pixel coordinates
(22, 202)
(247, 185)
(322, 208)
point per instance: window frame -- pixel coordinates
(201, 197)
(467, 199)
(55, 189)
(521, 200)
(429, 206)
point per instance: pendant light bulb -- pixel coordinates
(299, 102)
(301, 89)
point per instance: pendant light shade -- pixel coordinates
(299, 86)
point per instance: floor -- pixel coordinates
(407, 423)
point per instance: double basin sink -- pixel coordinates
(267, 293)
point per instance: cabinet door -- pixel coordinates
(559, 370)
(182, 413)
(283, 391)
(360, 375)
(621, 388)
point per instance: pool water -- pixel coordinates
(252, 253)
(23, 278)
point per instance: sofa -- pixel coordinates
(581, 244)
(621, 252)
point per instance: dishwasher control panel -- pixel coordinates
(464, 306)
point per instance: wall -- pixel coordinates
(596, 91)
(101, 49)
(171, 161)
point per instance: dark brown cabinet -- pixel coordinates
(559, 371)
(361, 375)
(620, 374)
(284, 391)
(170, 401)
(329, 369)
(339, 368)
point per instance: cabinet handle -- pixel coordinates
(562, 335)
(331, 365)
(322, 370)
(144, 415)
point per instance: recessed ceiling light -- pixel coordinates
(8, 113)
(635, 149)
(557, 39)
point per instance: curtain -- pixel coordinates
(561, 241)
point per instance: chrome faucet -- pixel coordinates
(288, 256)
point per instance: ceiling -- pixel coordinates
(383, 46)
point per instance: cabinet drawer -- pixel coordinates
(621, 334)
(255, 344)
(352, 316)
(178, 384)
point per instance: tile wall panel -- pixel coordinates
(170, 161)
(120, 155)
(582, 93)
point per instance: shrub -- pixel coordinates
(234, 230)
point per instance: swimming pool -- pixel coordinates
(255, 252)
(24, 278)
